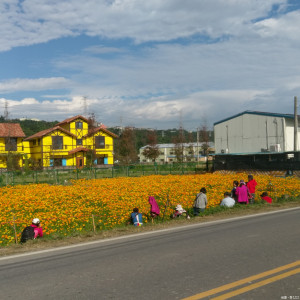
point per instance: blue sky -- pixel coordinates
(148, 63)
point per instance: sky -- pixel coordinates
(152, 64)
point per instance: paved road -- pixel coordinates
(170, 264)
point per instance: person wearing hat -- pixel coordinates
(32, 232)
(38, 230)
(242, 193)
(179, 211)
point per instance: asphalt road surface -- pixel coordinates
(169, 264)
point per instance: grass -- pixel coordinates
(211, 214)
(59, 176)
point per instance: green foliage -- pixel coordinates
(89, 159)
(12, 161)
(163, 136)
(30, 127)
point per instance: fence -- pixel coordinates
(64, 176)
(286, 161)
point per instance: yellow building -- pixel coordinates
(11, 145)
(74, 142)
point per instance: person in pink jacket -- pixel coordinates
(242, 193)
(38, 230)
(154, 208)
(32, 232)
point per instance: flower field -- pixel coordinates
(65, 210)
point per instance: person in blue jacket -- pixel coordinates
(136, 217)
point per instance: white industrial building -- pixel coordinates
(253, 132)
(191, 152)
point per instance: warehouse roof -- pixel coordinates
(252, 112)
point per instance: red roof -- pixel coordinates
(78, 150)
(11, 130)
(100, 128)
(47, 131)
(72, 119)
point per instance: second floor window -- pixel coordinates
(79, 142)
(78, 125)
(57, 142)
(11, 144)
(100, 142)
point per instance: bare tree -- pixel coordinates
(179, 145)
(204, 138)
(151, 151)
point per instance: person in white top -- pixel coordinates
(227, 201)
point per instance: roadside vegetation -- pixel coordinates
(93, 209)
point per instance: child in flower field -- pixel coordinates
(265, 198)
(233, 195)
(179, 211)
(32, 232)
(251, 184)
(136, 217)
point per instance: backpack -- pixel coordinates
(27, 234)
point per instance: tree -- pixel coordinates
(151, 151)
(204, 138)
(179, 145)
(125, 147)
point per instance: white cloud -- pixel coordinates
(102, 50)
(27, 84)
(33, 21)
(252, 67)
(286, 27)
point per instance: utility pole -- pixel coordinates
(295, 124)
(6, 113)
(197, 144)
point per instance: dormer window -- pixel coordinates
(78, 125)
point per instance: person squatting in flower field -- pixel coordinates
(242, 193)
(154, 208)
(136, 218)
(227, 201)
(265, 198)
(200, 202)
(33, 231)
(180, 211)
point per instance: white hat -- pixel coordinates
(36, 221)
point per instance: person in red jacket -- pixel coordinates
(251, 184)
(265, 198)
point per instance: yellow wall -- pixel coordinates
(4, 153)
(40, 149)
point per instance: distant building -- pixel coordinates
(191, 152)
(24, 119)
(254, 132)
(11, 144)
